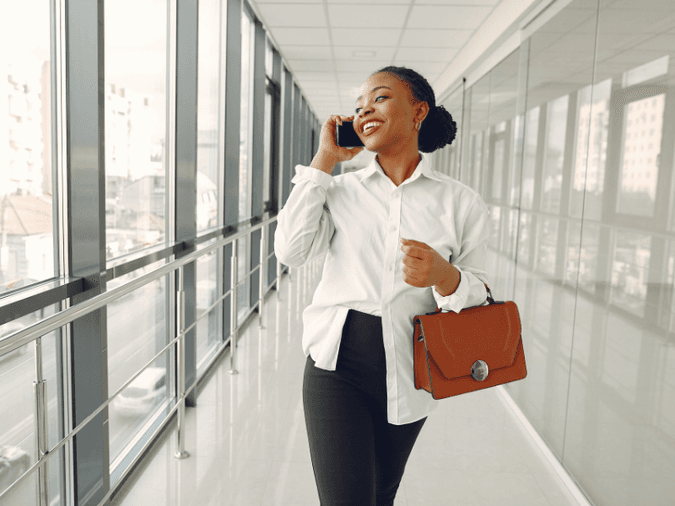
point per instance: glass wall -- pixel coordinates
(26, 163)
(210, 96)
(135, 124)
(570, 141)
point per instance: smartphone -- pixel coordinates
(345, 135)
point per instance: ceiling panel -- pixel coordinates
(312, 65)
(369, 2)
(277, 15)
(298, 35)
(480, 3)
(308, 52)
(415, 37)
(375, 54)
(366, 36)
(436, 16)
(367, 16)
(286, 2)
(434, 54)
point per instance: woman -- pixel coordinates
(362, 411)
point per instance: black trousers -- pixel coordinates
(357, 456)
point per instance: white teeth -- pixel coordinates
(370, 125)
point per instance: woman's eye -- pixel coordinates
(378, 98)
(358, 109)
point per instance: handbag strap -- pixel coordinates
(490, 299)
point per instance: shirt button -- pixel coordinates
(390, 268)
(393, 228)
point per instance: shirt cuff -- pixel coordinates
(455, 301)
(303, 173)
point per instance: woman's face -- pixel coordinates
(386, 113)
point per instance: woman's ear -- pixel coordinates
(421, 111)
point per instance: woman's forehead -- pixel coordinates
(381, 79)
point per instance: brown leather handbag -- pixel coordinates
(477, 348)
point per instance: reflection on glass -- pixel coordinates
(26, 221)
(643, 125)
(498, 168)
(208, 115)
(630, 266)
(525, 238)
(547, 239)
(556, 129)
(517, 129)
(136, 332)
(209, 328)
(135, 124)
(601, 371)
(591, 154)
(530, 157)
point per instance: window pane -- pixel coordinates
(135, 124)
(267, 155)
(209, 115)
(246, 115)
(17, 423)
(26, 217)
(136, 332)
(209, 328)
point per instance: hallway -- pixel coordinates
(248, 446)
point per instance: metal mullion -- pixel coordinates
(60, 164)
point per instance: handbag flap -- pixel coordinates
(456, 340)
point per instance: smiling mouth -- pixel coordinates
(370, 125)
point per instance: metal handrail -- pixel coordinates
(53, 322)
(36, 331)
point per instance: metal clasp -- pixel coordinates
(479, 370)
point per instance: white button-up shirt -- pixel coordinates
(357, 219)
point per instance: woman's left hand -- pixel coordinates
(422, 265)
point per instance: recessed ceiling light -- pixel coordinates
(364, 54)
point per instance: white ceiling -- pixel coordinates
(332, 46)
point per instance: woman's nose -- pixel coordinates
(365, 110)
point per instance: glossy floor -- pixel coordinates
(248, 445)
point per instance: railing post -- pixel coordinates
(180, 451)
(261, 292)
(234, 310)
(40, 391)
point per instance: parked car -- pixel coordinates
(8, 329)
(143, 394)
(13, 463)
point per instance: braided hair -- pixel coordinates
(438, 129)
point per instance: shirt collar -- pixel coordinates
(423, 168)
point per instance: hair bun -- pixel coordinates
(438, 130)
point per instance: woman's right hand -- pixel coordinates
(329, 153)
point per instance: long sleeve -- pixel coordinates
(304, 225)
(470, 262)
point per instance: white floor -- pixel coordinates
(248, 445)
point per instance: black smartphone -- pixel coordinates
(345, 135)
